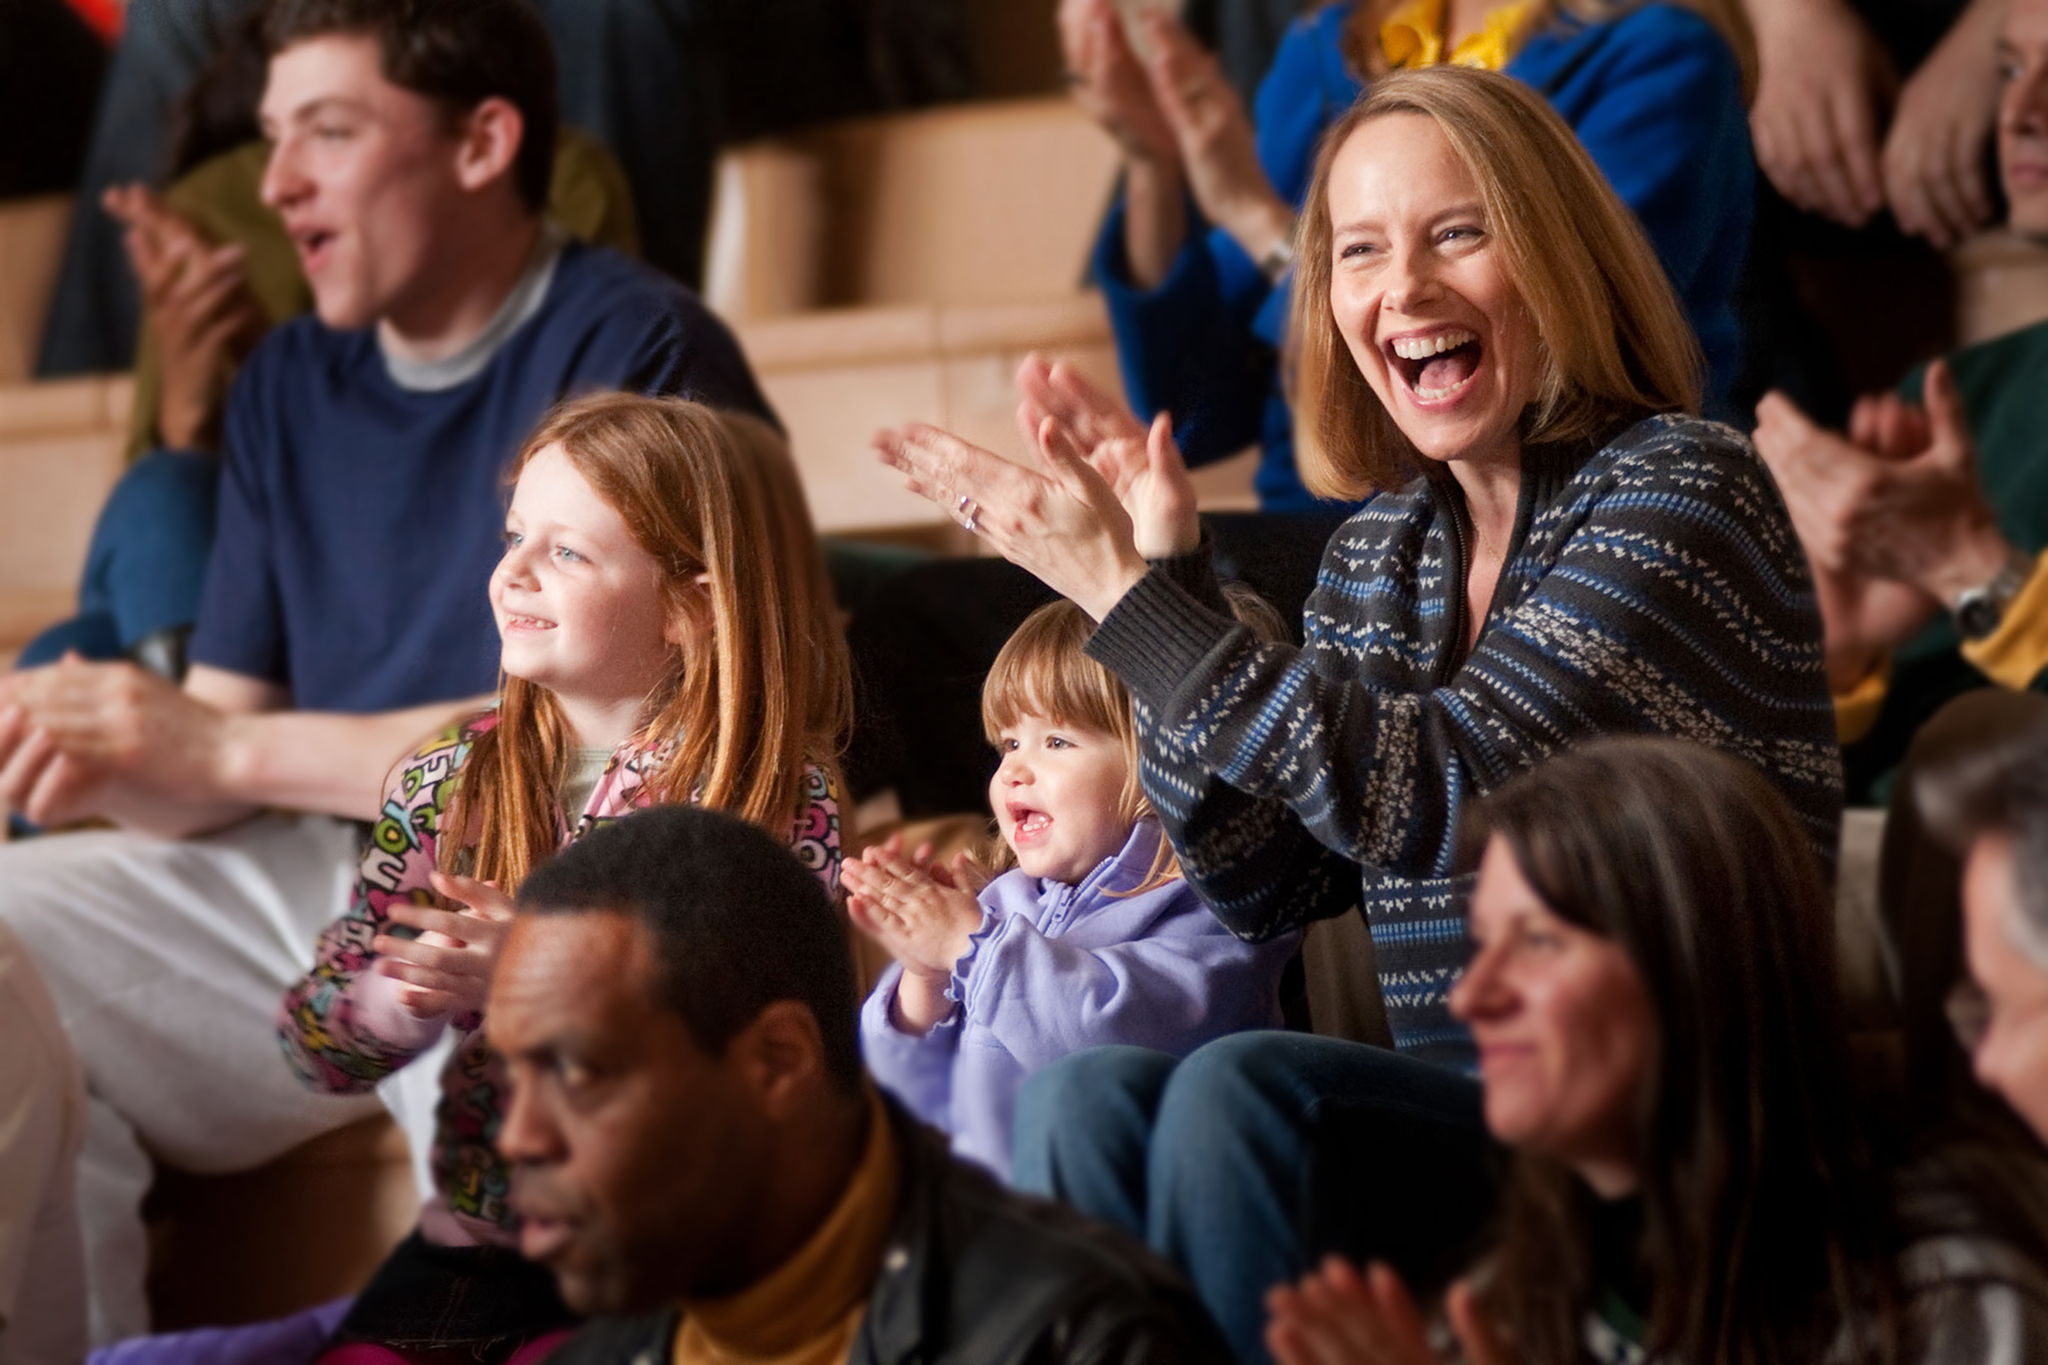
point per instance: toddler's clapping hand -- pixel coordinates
(448, 967)
(924, 915)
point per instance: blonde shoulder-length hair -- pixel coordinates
(759, 688)
(1613, 341)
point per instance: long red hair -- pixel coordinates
(761, 685)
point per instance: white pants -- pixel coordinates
(167, 961)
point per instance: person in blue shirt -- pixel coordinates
(1194, 258)
(344, 615)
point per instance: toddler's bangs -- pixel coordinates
(1042, 671)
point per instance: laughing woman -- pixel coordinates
(1553, 548)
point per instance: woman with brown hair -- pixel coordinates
(1653, 995)
(1198, 299)
(1553, 549)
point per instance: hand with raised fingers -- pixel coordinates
(199, 307)
(1107, 80)
(1064, 523)
(925, 923)
(1934, 155)
(1142, 465)
(1218, 150)
(1822, 82)
(447, 969)
(1338, 1316)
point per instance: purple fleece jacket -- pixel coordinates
(1057, 968)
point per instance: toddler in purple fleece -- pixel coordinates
(1092, 937)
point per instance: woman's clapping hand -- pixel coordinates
(1337, 1316)
(1141, 465)
(1107, 494)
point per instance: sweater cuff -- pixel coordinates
(380, 1011)
(1159, 634)
(978, 947)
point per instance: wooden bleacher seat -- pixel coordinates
(896, 269)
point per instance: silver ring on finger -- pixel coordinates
(973, 510)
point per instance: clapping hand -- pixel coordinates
(1822, 80)
(1142, 465)
(447, 969)
(199, 308)
(924, 914)
(1935, 153)
(1337, 1316)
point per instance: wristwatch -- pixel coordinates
(1980, 611)
(1279, 258)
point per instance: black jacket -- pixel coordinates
(977, 1275)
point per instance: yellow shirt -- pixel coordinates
(1413, 36)
(807, 1312)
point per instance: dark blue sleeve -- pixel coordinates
(241, 619)
(1659, 108)
(1203, 345)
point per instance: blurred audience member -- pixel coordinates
(1969, 789)
(1988, 806)
(217, 271)
(345, 611)
(1199, 301)
(1491, 353)
(1660, 1043)
(693, 1140)
(51, 63)
(1941, 506)
(42, 1128)
(658, 82)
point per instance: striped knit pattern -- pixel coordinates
(1655, 586)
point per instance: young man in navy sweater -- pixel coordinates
(344, 614)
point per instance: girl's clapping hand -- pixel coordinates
(448, 967)
(1336, 1316)
(924, 915)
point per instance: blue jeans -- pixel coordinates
(1260, 1153)
(147, 563)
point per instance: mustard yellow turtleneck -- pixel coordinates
(807, 1311)
(1413, 36)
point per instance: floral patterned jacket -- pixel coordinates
(343, 1028)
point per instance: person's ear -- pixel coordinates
(693, 620)
(490, 140)
(780, 1059)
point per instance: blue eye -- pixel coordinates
(569, 554)
(513, 540)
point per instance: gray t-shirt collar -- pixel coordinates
(526, 298)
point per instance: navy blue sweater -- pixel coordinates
(1655, 96)
(1652, 586)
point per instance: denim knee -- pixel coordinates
(1083, 1130)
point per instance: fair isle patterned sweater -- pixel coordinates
(343, 1029)
(1654, 585)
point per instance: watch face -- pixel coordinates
(1978, 618)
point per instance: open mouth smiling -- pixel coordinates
(1435, 366)
(1026, 821)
